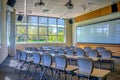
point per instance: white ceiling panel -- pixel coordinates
(57, 8)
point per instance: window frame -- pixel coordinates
(40, 25)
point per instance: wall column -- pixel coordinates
(4, 47)
(12, 47)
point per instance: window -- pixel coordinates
(41, 30)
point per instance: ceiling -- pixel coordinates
(56, 8)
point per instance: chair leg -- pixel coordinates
(33, 74)
(21, 68)
(54, 75)
(100, 64)
(70, 76)
(58, 75)
(27, 70)
(42, 73)
(17, 65)
(112, 65)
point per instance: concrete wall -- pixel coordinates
(4, 48)
(68, 34)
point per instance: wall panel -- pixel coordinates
(118, 6)
(105, 11)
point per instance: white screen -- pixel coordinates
(105, 32)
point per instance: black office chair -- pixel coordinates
(47, 64)
(25, 60)
(35, 49)
(85, 68)
(92, 54)
(86, 49)
(60, 66)
(36, 63)
(100, 49)
(61, 51)
(106, 57)
(18, 57)
(80, 52)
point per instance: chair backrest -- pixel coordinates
(61, 51)
(47, 59)
(30, 48)
(80, 53)
(100, 49)
(67, 47)
(35, 49)
(52, 51)
(72, 47)
(87, 48)
(24, 56)
(41, 49)
(92, 54)
(69, 52)
(85, 65)
(36, 58)
(78, 49)
(60, 62)
(106, 54)
(18, 54)
(26, 48)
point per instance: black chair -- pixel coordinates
(80, 53)
(35, 49)
(60, 66)
(41, 49)
(69, 52)
(100, 49)
(92, 54)
(18, 57)
(61, 51)
(106, 57)
(25, 60)
(47, 64)
(36, 63)
(85, 68)
(87, 49)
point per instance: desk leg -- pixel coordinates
(70, 76)
(104, 78)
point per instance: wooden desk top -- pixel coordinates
(100, 73)
(68, 68)
(75, 57)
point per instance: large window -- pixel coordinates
(40, 30)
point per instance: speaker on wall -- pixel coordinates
(20, 17)
(11, 3)
(70, 21)
(114, 8)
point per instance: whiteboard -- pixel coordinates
(104, 32)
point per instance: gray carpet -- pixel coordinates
(8, 72)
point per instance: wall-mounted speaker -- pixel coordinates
(114, 8)
(20, 17)
(11, 3)
(70, 21)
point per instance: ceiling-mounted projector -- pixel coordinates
(40, 3)
(69, 5)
